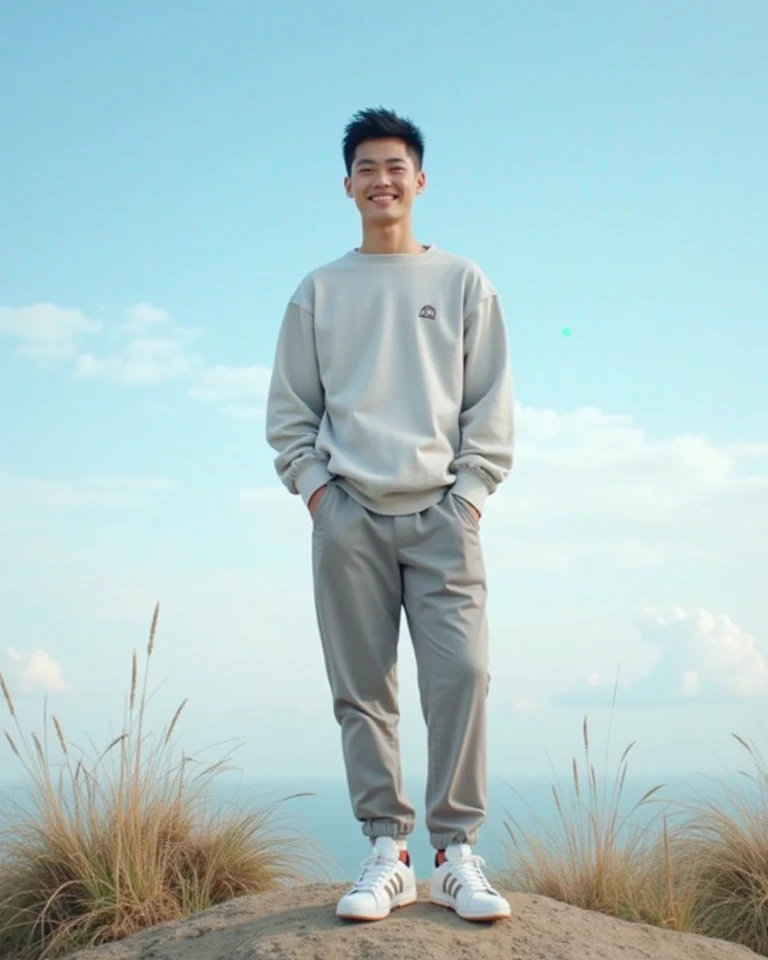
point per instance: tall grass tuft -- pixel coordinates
(721, 851)
(125, 840)
(697, 866)
(594, 856)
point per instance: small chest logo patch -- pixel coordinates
(428, 312)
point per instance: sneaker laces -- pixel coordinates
(470, 869)
(376, 870)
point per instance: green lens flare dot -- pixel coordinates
(566, 331)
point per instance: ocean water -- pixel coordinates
(325, 816)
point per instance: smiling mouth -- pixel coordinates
(381, 197)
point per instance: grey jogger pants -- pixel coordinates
(367, 568)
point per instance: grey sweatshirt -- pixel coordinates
(392, 376)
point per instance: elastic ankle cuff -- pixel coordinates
(397, 830)
(442, 840)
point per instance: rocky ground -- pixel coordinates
(299, 924)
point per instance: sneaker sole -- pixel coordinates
(487, 918)
(408, 901)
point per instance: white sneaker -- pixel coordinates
(460, 885)
(385, 884)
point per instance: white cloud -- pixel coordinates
(588, 439)
(241, 392)
(691, 685)
(590, 483)
(88, 366)
(144, 317)
(31, 492)
(702, 657)
(145, 320)
(37, 671)
(149, 349)
(145, 347)
(223, 384)
(45, 330)
(147, 360)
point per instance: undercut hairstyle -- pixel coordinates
(381, 124)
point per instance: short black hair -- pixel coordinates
(381, 124)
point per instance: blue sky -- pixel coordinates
(172, 172)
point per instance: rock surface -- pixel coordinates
(299, 924)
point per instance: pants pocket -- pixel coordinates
(323, 507)
(465, 510)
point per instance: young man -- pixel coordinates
(390, 408)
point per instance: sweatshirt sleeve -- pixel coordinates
(486, 447)
(295, 406)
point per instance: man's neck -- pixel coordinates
(395, 238)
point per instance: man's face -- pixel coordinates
(384, 181)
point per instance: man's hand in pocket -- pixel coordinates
(314, 500)
(470, 506)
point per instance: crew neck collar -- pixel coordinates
(427, 254)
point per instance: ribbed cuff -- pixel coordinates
(315, 476)
(382, 827)
(470, 487)
(441, 841)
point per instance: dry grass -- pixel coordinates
(130, 839)
(125, 841)
(698, 867)
(594, 857)
(721, 852)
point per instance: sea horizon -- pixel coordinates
(319, 810)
